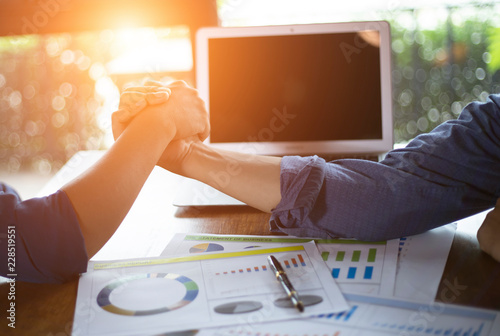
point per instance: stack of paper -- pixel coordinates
(222, 285)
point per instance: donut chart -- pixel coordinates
(103, 298)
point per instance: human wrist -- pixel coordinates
(196, 160)
(149, 128)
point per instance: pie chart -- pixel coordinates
(206, 247)
(239, 307)
(307, 300)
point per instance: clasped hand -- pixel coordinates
(177, 106)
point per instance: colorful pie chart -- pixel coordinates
(206, 247)
(103, 298)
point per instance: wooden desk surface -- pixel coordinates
(470, 277)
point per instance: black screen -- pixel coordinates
(316, 87)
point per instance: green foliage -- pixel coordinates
(494, 49)
(49, 107)
(18, 43)
(437, 72)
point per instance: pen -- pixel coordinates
(285, 282)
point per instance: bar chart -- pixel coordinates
(357, 266)
(288, 263)
(244, 275)
(290, 328)
(342, 316)
(408, 318)
(354, 263)
(369, 316)
(159, 295)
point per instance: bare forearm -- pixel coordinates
(489, 233)
(104, 194)
(254, 180)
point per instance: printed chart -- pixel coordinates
(243, 276)
(370, 316)
(402, 317)
(361, 267)
(206, 247)
(263, 268)
(159, 295)
(104, 296)
(291, 328)
(183, 243)
(358, 267)
(352, 270)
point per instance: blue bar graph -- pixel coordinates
(350, 312)
(402, 242)
(430, 330)
(351, 274)
(342, 316)
(378, 314)
(368, 272)
(478, 332)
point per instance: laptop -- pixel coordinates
(314, 89)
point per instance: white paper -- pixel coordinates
(349, 260)
(381, 316)
(421, 263)
(362, 267)
(290, 328)
(159, 295)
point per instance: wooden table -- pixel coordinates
(471, 277)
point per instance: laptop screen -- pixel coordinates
(320, 90)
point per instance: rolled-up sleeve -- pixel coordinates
(301, 181)
(48, 243)
(438, 178)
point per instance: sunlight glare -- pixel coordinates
(148, 50)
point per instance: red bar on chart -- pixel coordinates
(302, 262)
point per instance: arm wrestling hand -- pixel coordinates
(184, 109)
(133, 101)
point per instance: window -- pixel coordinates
(57, 92)
(445, 53)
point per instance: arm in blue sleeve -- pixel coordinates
(445, 175)
(49, 246)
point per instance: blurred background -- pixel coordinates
(58, 88)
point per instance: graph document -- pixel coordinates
(357, 267)
(375, 316)
(158, 295)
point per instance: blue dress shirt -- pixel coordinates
(442, 176)
(48, 243)
(447, 174)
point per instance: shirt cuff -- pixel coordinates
(301, 180)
